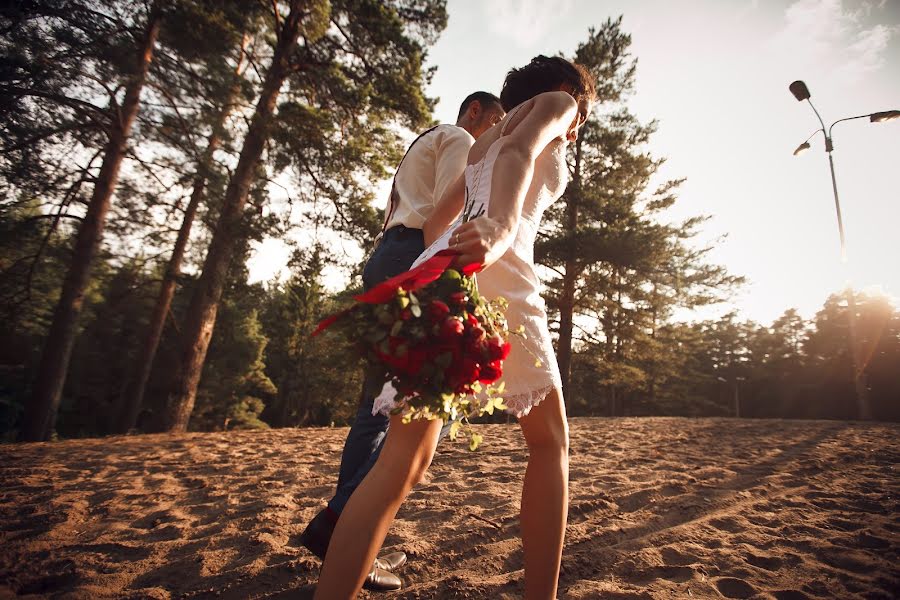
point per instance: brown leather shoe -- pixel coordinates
(379, 580)
(391, 562)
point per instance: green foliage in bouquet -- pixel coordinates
(441, 345)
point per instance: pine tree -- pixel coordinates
(132, 398)
(41, 411)
(572, 247)
(317, 378)
(618, 270)
(357, 68)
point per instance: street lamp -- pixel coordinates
(805, 145)
(888, 115)
(801, 93)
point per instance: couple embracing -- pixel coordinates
(508, 155)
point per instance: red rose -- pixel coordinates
(472, 320)
(415, 358)
(497, 348)
(475, 332)
(438, 310)
(458, 298)
(490, 372)
(463, 373)
(475, 345)
(395, 342)
(451, 328)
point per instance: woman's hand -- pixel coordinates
(481, 241)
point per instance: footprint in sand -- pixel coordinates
(675, 573)
(735, 588)
(727, 524)
(635, 501)
(769, 563)
(846, 559)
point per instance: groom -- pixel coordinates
(433, 162)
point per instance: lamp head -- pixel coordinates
(801, 148)
(799, 90)
(888, 115)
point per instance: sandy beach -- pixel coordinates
(659, 508)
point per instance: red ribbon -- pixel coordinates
(329, 321)
(411, 280)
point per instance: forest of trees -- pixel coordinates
(141, 144)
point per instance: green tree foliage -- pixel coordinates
(319, 380)
(103, 354)
(796, 368)
(618, 268)
(27, 297)
(72, 92)
(342, 72)
(235, 386)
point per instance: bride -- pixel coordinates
(515, 171)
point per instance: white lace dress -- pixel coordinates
(513, 277)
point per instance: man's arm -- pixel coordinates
(451, 151)
(445, 211)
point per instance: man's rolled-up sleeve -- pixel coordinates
(451, 152)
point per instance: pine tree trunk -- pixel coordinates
(567, 299)
(617, 352)
(131, 401)
(40, 412)
(201, 315)
(653, 369)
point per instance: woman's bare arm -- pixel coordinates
(485, 239)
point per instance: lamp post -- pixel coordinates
(801, 93)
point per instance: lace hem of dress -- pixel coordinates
(520, 405)
(384, 402)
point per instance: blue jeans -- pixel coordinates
(396, 253)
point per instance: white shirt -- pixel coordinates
(432, 165)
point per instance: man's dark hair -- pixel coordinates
(483, 98)
(544, 74)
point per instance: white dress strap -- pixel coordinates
(509, 119)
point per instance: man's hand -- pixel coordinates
(481, 241)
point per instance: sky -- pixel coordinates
(715, 75)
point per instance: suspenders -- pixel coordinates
(395, 197)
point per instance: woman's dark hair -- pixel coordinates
(545, 74)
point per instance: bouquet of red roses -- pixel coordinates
(435, 339)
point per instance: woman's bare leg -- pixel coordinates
(363, 525)
(545, 496)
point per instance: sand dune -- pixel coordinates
(660, 508)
